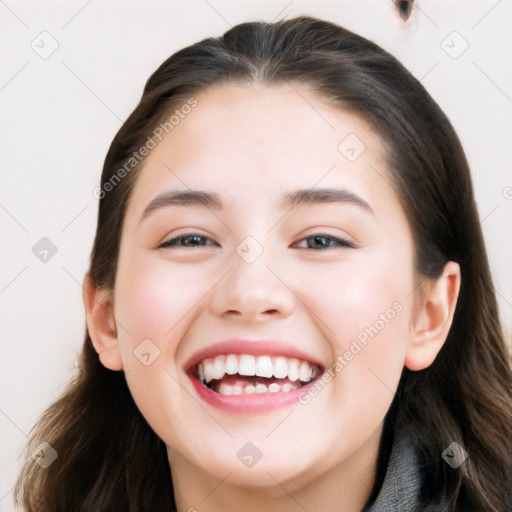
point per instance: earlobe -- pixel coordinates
(433, 318)
(101, 324)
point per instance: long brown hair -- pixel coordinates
(108, 456)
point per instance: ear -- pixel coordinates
(433, 317)
(101, 324)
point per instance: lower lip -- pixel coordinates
(251, 402)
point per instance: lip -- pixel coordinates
(255, 402)
(251, 402)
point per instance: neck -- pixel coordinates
(345, 486)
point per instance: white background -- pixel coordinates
(60, 114)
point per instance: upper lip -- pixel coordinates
(253, 347)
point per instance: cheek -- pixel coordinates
(154, 299)
(366, 316)
(155, 295)
(350, 299)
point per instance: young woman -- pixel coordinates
(289, 304)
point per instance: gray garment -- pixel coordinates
(400, 490)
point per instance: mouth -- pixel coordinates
(251, 376)
(246, 374)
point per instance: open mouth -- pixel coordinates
(238, 374)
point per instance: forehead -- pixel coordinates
(262, 123)
(259, 140)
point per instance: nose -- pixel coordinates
(253, 291)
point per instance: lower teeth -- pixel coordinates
(243, 388)
(227, 389)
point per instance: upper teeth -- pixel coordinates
(261, 366)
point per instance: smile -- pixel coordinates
(251, 376)
(238, 374)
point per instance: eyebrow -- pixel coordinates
(212, 201)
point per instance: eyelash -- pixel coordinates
(173, 242)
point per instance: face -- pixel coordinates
(276, 308)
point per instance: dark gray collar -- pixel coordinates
(401, 487)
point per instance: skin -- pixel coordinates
(251, 144)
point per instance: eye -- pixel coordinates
(321, 241)
(187, 240)
(315, 242)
